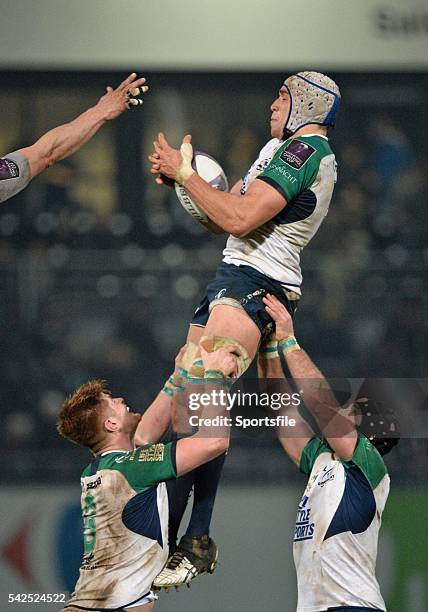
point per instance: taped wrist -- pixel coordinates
(217, 377)
(185, 170)
(269, 350)
(288, 344)
(172, 386)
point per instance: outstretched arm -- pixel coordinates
(64, 140)
(339, 430)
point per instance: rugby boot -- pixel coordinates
(193, 556)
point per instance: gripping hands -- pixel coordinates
(185, 170)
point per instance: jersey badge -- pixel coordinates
(8, 169)
(153, 453)
(296, 154)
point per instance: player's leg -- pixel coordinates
(242, 324)
(234, 323)
(179, 490)
(206, 481)
(197, 552)
(237, 317)
(196, 544)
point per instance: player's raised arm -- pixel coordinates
(269, 367)
(212, 438)
(235, 214)
(157, 418)
(62, 141)
(338, 429)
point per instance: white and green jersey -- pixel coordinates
(337, 528)
(303, 170)
(125, 519)
(14, 175)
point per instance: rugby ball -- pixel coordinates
(211, 171)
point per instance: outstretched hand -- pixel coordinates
(281, 316)
(166, 160)
(125, 96)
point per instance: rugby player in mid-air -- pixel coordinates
(19, 167)
(124, 499)
(271, 215)
(340, 513)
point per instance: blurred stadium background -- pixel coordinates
(100, 269)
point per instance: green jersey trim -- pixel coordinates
(366, 457)
(144, 467)
(292, 170)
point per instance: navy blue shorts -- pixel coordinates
(248, 287)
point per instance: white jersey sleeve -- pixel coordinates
(14, 175)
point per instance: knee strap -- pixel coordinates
(213, 343)
(192, 367)
(189, 365)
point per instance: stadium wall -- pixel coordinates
(40, 548)
(240, 35)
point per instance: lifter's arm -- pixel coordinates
(62, 141)
(155, 421)
(339, 430)
(293, 439)
(210, 441)
(157, 418)
(238, 215)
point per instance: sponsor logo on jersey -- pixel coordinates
(154, 453)
(304, 529)
(285, 173)
(297, 153)
(252, 295)
(326, 476)
(124, 457)
(94, 484)
(8, 169)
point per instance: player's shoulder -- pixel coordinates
(310, 453)
(270, 147)
(318, 141)
(368, 459)
(102, 462)
(305, 148)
